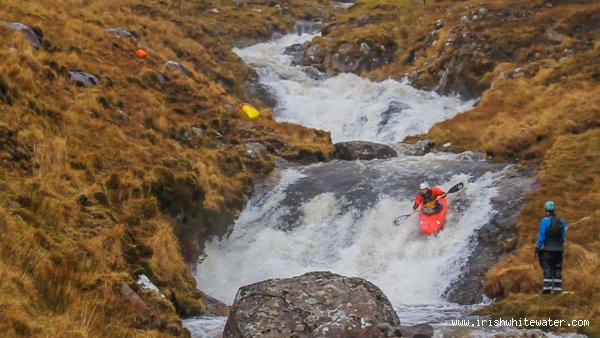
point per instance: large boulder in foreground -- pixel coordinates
(316, 304)
(362, 150)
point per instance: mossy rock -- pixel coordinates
(176, 194)
(185, 305)
(137, 253)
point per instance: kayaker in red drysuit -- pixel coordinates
(427, 195)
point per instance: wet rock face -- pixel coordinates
(296, 51)
(316, 304)
(255, 90)
(362, 150)
(214, 306)
(307, 27)
(420, 148)
(364, 55)
(494, 240)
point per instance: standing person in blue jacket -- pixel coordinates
(550, 247)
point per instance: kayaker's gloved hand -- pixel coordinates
(415, 207)
(537, 253)
(431, 204)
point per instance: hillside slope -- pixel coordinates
(100, 183)
(100, 178)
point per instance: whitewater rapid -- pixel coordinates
(347, 105)
(338, 216)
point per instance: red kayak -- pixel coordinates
(431, 224)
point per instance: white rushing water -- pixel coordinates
(350, 107)
(334, 231)
(332, 234)
(338, 216)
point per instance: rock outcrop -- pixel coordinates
(29, 33)
(173, 65)
(316, 304)
(121, 33)
(420, 148)
(362, 150)
(348, 57)
(84, 79)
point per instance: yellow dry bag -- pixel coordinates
(250, 111)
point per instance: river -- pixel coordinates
(338, 216)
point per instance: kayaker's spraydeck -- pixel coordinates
(431, 224)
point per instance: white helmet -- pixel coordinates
(424, 185)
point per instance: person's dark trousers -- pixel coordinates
(551, 262)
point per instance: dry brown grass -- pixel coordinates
(521, 118)
(94, 178)
(570, 176)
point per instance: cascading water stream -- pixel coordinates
(338, 216)
(348, 106)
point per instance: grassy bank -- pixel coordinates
(98, 182)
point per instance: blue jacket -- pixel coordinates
(543, 231)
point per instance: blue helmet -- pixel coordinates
(549, 205)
